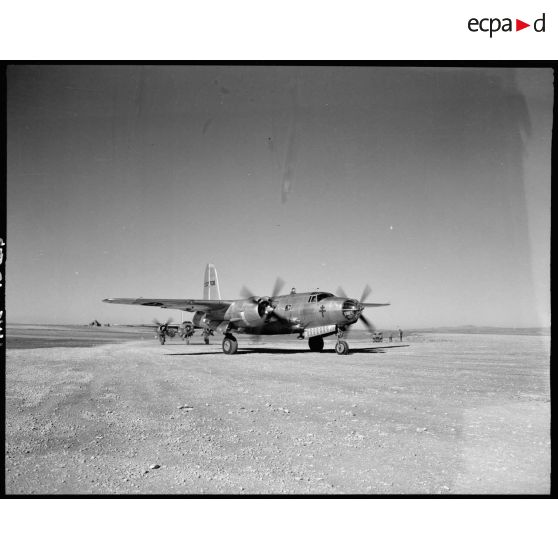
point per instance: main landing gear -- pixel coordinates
(206, 333)
(230, 344)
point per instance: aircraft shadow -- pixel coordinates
(271, 351)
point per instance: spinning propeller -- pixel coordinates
(266, 308)
(360, 306)
(265, 304)
(161, 324)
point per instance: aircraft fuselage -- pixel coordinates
(293, 313)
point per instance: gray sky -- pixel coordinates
(432, 185)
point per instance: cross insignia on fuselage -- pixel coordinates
(322, 310)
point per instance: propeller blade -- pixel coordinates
(369, 325)
(273, 315)
(341, 292)
(365, 293)
(245, 292)
(158, 323)
(279, 284)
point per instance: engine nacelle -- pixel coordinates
(249, 313)
(199, 320)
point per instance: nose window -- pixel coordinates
(349, 309)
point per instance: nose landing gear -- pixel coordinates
(341, 347)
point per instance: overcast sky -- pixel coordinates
(432, 185)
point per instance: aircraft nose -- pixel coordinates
(351, 308)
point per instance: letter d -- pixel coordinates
(535, 25)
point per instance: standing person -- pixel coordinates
(163, 331)
(400, 335)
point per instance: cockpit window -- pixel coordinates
(317, 296)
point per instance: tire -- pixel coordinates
(162, 340)
(342, 347)
(206, 340)
(230, 345)
(316, 344)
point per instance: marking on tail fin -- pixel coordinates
(211, 283)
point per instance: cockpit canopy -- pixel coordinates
(317, 296)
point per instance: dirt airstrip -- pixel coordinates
(446, 414)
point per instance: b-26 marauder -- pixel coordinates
(311, 315)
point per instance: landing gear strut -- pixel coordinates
(230, 344)
(341, 347)
(206, 333)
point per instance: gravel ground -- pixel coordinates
(447, 414)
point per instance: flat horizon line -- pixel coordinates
(410, 328)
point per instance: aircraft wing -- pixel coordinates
(187, 305)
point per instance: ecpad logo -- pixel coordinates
(494, 24)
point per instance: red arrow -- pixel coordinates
(519, 25)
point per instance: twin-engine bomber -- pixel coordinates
(311, 315)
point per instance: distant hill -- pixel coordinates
(471, 329)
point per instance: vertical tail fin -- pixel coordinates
(211, 284)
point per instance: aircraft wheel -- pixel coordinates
(206, 340)
(162, 340)
(342, 347)
(230, 345)
(316, 344)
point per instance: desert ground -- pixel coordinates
(111, 411)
